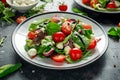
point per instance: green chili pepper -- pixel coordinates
(9, 68)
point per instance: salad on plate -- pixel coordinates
(103, 5)
(60, 39)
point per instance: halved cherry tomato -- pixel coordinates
(87, 26)
(75, 54)
(20, 19)
(58, 36)
(58, 58)
(93, 2)
(86, 1)
(92, 44)
(111, 5)
(32, 35)
(66, 28)
(119, 24)
(63, 7)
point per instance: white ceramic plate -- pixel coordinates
(20, 34)
(79, 2)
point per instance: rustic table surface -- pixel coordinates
(105, 68)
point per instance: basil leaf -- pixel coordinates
(52, 27)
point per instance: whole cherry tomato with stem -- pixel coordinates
(63, 7)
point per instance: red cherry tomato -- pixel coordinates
(63, 7)
(86, 1)
(119, 24)
(87, 26)
(58, 58)
(92, 44)
(111, 5)
(75, 54)
(58, 36)
(32, 35)
(20, 19)
(66, 28)
(5, 3)
(93, 2)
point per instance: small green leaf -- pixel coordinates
(52, 27)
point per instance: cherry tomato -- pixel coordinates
(86, 1)
(58, 36)
(92, 44)
(5, 3)
(87, 26)
(75, 54)
(58, 58)
(111, 5)
(119, 24)
(63, 7)
(32, 35)
(66, 28)
(55, 19)
(20, 19)
(93, 2)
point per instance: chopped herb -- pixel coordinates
(2, 40)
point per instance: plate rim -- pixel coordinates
(58, 68)
(89, 8)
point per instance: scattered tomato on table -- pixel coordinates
(119, 24)
(63, 7)
(20, 19)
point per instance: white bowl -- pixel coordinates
(22, 8)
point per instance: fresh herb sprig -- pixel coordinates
(6, 14)
(35, 10)
(76, 10)
(2, 40)
(114, 32)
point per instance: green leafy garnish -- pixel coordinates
(52, 27)
(9, 68)
(114, 32)
(6, 14)
(35, 10)
(2, 40)
(76, 10)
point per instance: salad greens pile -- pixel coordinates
(104, 5)
(47, 38)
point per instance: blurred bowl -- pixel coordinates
(22, 8)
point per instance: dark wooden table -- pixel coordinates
(105, 68)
